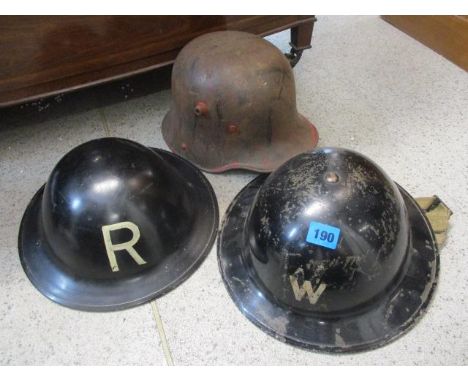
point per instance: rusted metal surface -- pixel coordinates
(363, 288)
(234, 105)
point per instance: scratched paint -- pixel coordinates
(369, 291)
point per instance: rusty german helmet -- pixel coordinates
(234, 106)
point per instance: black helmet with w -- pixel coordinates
(328, 253)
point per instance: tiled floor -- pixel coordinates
(366, 86)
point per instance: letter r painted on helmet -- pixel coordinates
(128, 246)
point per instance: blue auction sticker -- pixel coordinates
(323, 234)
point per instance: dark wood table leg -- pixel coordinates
(301, 38)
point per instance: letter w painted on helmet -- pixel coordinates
(128, 246)
(306, 288)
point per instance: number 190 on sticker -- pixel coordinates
(323, 234)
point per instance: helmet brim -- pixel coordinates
(382, 321)
(58, 283)
(305, 138)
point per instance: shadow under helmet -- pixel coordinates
(117, 224)
(328, 253)
(234, 105)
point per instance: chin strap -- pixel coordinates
(438, 214)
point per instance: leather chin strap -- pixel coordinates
(438, 214)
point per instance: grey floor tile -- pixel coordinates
(34, 330)
(29, 152)
(139, 119)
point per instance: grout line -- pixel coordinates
(104, 122)
(154, 307)
(162, 334)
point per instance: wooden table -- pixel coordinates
(46, 55)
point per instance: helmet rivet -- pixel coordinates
(183, 146)
(200, 109)
(332, 177)
(233, 129)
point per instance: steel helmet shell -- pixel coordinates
(234, 105)
(328, 253)
(117, 224)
